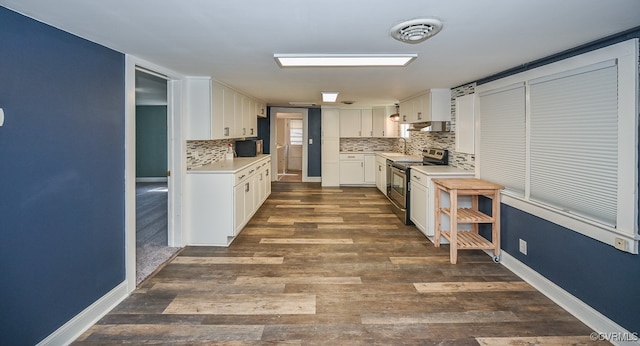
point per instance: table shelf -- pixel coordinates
(464, 240)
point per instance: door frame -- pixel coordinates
(175, 163)
(273, 112)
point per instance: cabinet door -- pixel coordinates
(440, 105)
(350, 122)
(238, 210)
(351, 172)
(267, 181)
(407, 114)
(230, 129)
(330, 123)
(369, 169)
(198, 106)
(249, 118)
(379, 116)
(418, 205)
(381, 177)
(366, 123)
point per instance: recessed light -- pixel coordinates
(343, 60)
(329, 96)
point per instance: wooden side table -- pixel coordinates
(463, 240)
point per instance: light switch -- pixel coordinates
(1, 116)
(310, 140)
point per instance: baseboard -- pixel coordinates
(151, 179)
(607, 328)
(87, 318)
(312, 179)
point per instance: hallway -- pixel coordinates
(334, 266)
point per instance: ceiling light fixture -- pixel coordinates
(329, 96)
(344, 60)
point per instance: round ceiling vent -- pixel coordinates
(416, 30)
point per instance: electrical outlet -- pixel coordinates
(621, 244)
(523, 246)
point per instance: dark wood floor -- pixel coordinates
(334, 266)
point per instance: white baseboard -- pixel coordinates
(151, 179)
(585, 313)
(312, 179)
(87, 318)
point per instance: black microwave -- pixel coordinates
(249, 148)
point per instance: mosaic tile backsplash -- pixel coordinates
(200, 153)
(368, 144)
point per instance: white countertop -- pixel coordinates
(228, 166)
(441, 170)
(399, 157)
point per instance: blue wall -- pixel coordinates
(62, 176)
(314, 157)
(151, 141)
(598, 274)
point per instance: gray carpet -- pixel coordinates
(151, 229)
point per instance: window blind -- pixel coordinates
(502, 130)
(574, 142)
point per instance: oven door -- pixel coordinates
(398, 187)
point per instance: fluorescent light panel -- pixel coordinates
(343, 60)
(329, 96)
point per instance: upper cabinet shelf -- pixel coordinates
(433, 105)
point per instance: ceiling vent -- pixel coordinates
(416, 30)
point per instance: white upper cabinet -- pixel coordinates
(383, 126)
(215, 111)
(434, 105)
(350, 123)
(356, 123)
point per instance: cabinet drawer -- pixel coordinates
(418, 178)
(351, 157)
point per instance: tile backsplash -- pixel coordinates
(368, 144)
(200, 153)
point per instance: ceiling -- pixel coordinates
(234, 41)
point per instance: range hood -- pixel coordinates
(431, 126)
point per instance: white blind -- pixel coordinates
(574, 142)
(502, 133)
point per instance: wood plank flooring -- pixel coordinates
(334, 266)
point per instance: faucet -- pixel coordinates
(404, 147)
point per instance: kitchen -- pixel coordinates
(561, 267)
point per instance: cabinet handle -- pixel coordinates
(419, 115)
(242, 176)
(361, 164)
(417, 177)
(360, 133)
(404, 118)
(246, 187)
(251, 171)
(251, 131)
(351, 157)
(244, 131)
(226, 131)
(382, 133)
(379, 168)
(267, 174)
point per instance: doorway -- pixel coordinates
(151, 182)
(288, 138)
(289, 135)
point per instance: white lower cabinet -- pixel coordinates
(369, 169)
(418, 200)
(381, 174)
(218, 205)
(357, 169)
(422, 196)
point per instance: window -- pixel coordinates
(562, 138)
(295, 131)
